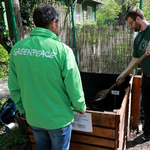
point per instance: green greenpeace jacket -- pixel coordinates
(44, 80)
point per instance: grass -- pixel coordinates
(2, 101)
(13, 139)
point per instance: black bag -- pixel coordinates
(8, 111)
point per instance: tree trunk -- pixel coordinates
(19, 24)
(9, 20)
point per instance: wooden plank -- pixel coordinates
(129, 110)
(99, 131)
(79, 146)
(124, 104)
(135, 103)
(30, 137)
(105, 119)
(33, 146)
(32, 140)
(124, 140)
(117, 119)
(93, 140)
(121, 121)
(121, 132)
(29, 130)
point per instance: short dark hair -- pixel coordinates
(44, 14)
(134, 12)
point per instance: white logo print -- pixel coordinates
(33, 52)
(143, 45)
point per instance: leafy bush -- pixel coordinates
(13, 139)
(4, 63)
(107, 13)
(5, 39)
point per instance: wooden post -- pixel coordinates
(135, 103)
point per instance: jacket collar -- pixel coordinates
(44, 32)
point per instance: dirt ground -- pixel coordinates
(130, 145)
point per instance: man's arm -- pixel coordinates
(72, 81)
(119, 81)
(133, 61)
(14, 86)
(148, 49)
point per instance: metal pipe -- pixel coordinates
(141, 4)
(13, 20)
(4, 16)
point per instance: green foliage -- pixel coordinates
(146, 8)
(100, 19)
(4, 37)
(13, 139)
(4, 34)
(85, 24)
(6, 41)
(26, 10)
(131, 3)
(136, 3)
(2, 101)
(107, 14)
(4, 63)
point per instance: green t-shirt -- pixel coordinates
(140, 45)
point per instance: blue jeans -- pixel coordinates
(57, 139)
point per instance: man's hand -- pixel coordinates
(23, 116)
(82, 112)
(118, 80)
(147, 52)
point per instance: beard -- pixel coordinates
(137, 27)
(57, 29)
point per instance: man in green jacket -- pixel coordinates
(45, 83)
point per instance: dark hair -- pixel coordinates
(44, 14)
(134, 12)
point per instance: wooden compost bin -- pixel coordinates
(110, 116)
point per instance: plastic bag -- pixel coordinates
(8, 111)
